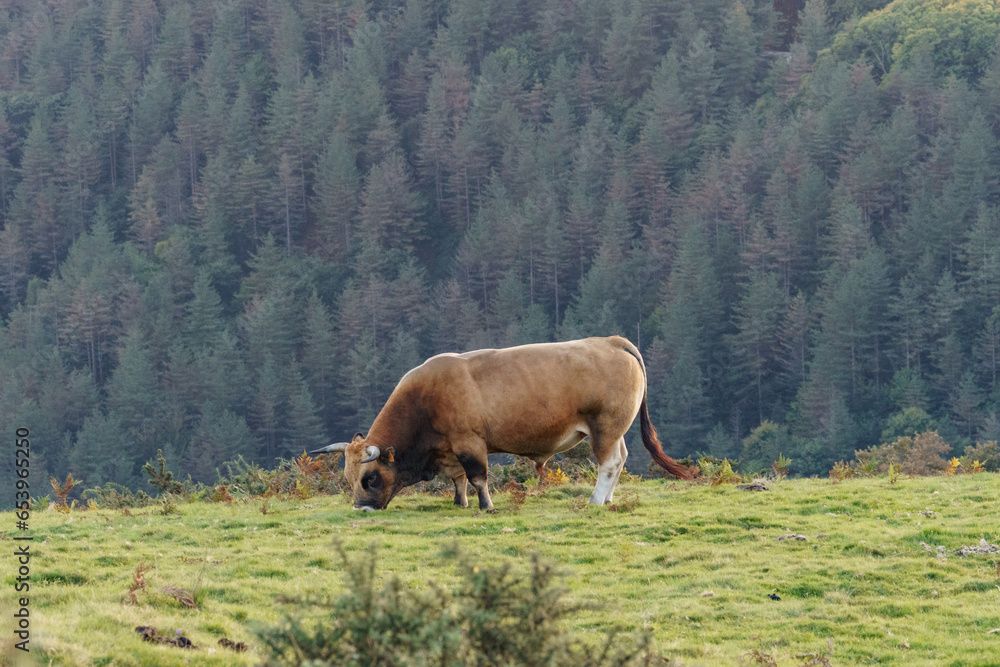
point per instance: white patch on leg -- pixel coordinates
(623, 452)
(607, 476)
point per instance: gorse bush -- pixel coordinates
(718, 471)
(115, 497)
(304, 476)
(921, 454)
(492, 617)
(163, 479)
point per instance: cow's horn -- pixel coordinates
(335, 447)
(371, 453)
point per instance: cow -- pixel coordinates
(534, 400)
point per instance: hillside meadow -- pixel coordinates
(695, 565)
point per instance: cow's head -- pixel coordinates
(370, 470)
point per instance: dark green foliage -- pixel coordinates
(230, 232)
(244, 477)
(115, 497)
(491, 617)
(766, 444)
(161, 478)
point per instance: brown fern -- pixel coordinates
(62, 491)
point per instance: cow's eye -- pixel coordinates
(371, 481)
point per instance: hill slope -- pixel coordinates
(861, 578)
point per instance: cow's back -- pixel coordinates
(530, 396)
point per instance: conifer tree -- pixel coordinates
(97, 456)
(304, 430)
(337, 188)
(755, 343)
(318, 356)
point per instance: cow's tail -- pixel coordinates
(649, 438)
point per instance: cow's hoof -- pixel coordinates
(493, 510)
(366, 508)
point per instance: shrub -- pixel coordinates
(841, 471)
(626, 504)
(62, 491)
(576, 468)
(162, 479)
(718, 471)
(492, 616)
(555, 477)
(245, 478)
(987, 453)
(518, 494)
(953, 467)
(115, 497)
(520, 471)
(919, 455)
(780, 467)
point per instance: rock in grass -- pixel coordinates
(983, 548)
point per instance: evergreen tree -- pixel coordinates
(267, 406)
(981, 256)
(738, 55)
(219, 437)
(337, 193)
(203, 323)
(814, 27)
(305, 429)
(134, 396)
(755, 344)
(318, 355)
(97, 456)
(388, 213)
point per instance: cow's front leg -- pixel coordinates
(462, 491)
(475, 470)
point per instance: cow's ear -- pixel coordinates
(357, 435)
(390, 452)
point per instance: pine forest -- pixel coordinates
(228, 228)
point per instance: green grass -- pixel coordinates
(868, 585)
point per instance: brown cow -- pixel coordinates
(537, 400)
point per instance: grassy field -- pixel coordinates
(694, 564)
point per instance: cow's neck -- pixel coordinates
(402, 425)
(397, 425)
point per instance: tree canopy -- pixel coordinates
(229, 228)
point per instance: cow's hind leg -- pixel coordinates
(461, 491)
(624, 454)
(475, 470)
(610, 460)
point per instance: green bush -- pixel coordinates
(491, 617)
(161, 478)
(923, 454)
(115, 497)
(987, 453)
